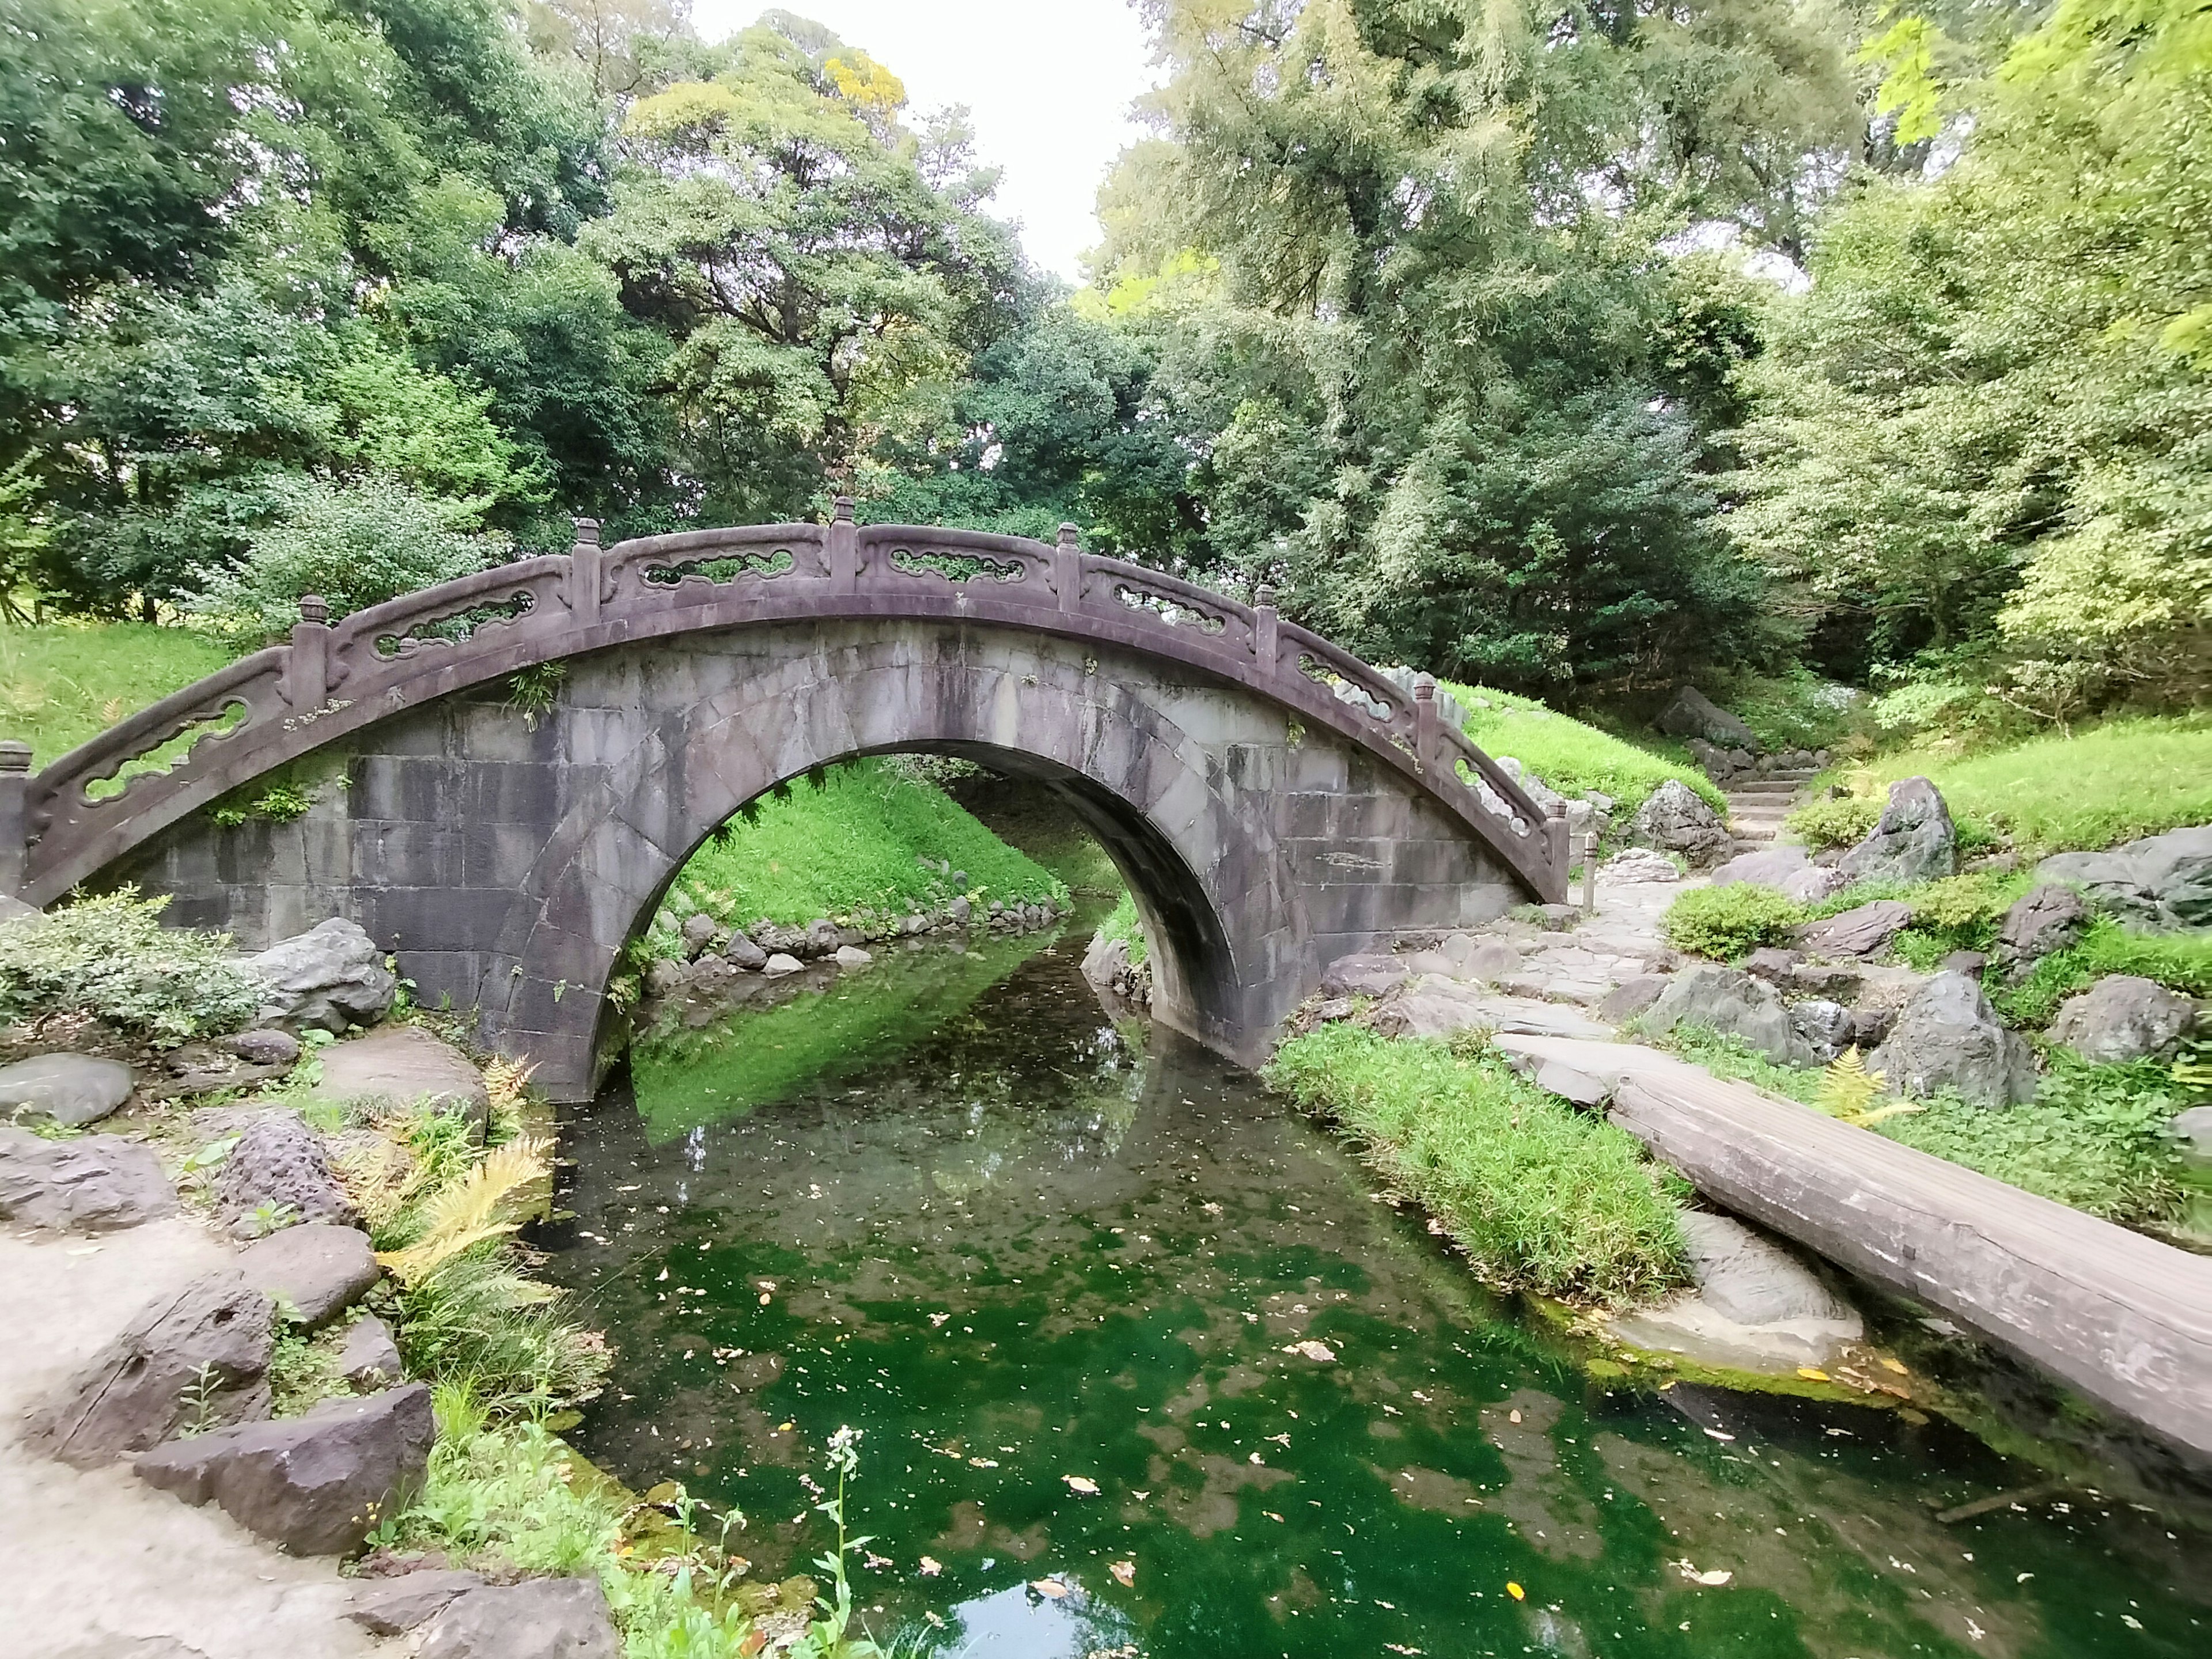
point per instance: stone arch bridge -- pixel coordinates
(1273, 801)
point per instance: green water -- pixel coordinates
(1013, 1244)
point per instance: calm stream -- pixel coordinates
(1030, 1252)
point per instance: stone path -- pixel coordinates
(1758, 802)
(98, 1565)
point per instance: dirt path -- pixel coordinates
(98, 1565)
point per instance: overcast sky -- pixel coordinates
(1050, 82)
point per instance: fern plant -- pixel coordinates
(1848, 1091)
(466, 1213)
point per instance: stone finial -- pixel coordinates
(587, 531)
(15, 756)
(1555, 808)
(1264, 597)
(314, 608)
(843, 513)
(1425, 688)
(1071, 534)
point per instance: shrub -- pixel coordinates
(1543, 1197)
(478, 1320)
(1845, 821)
(2180, 961)
(1728, 922)
(110, 958)
(1795, 710)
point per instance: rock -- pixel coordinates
(1827, 1027)
(318, 1484)
(1913, 840)
(1731, 1002)
(665, 977)
(266, 1047)
(72, 1090)
(745, 953)
(2123, 1018)
(1815, 885)
(1869, 1026)
(1631, 998)
(2163, 882)
(2193, 1129)
(960, 910)
(1770, 963)
(1674, 818)
(1769, 868)
(313, 1273)
(400, 1065)
(1749, 1278)
(277, 1172)
(780, 963)
(698, 933)
(1493, 960)
(1639, 863)
(1837, 984)
(393, 1606)
(92, 1184)
(1857, 932)
(13, 910)
(1965, 962)
(1949, 1036)
(1433, 1007)
(368, 1357)
(325, 979)
(1694, 714)
(2048, 918)
(852, 955)
(1362, 976)
(199, 1354)
(822, 938)
(538, 1618)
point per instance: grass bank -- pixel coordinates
(67, 682)
(1541, 1197)
(868, 838)
(1572, 756)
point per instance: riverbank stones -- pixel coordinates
(538, 1618)
(401, 1064)
(313, 1273)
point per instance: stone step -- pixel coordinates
(1762, 786)
(1744, 834)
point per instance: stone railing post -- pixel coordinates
(307, 673)
(844, 549)
(587, 570)
(1067, 567)
(1425, 719)
(1263, 628)
(14, 787)
(1555, 839)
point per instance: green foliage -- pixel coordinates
(534, 690)
(1122, 924)
(1837, 821)
(477, 1320)
(1726, 923)
(2180, 961)
(1542, 1196)
(357, 544)
(65, 683)
(1570, 756)
(867, 836)
(110, 958)
(1795, 710)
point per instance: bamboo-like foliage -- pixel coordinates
(467, 1212)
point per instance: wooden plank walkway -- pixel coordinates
(2123, 1318)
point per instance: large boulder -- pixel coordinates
(326, 979)
(1827, 1027)
(70, 1089)
(1693, 714)
(1749, 1278)
(1769, 867)
(538, 1618)
(1815, 885)
(1913, 840)
(368, 1357)
(276, 1174)
(1631, 998)
(2193, 1130)
(2049, 919)
(1949, 1036)
(1674, 818)
(2122, 1018)
(393, 1606)
(1364, 975)
(1639, 863)
(1731, 1002)
(94, 1184)
(1860, 932)
(2163, 882)
(313, 1273)
(400, 1065)
(318, 1484)
(744, 953)
(197, 1356)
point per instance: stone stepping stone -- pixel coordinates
(94, 1184)
(315, 1272)
(71, 1090)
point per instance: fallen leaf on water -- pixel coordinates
(1082, 1485)
(1051, 1587)
(1717, 1435)
(1400, 1647)
(1318, 1352)
(873, 1562)
(1125, 1573)
(1895, 1365)
(983, 1462)
(785, 1428)
(1718, 1576)
(1272, 1516)
(765, 1298)
(1211, 1209)
(1516, 1591)
(939, 1319)
(1513, 1416)
(1812, 1373)
(1253, 1458)
(931, 1566)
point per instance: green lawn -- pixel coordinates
(2101, 787)
(853, 843)
(1543, 1197)
(1570, 756)
(64, 684)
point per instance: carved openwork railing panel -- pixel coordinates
(96, 803)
